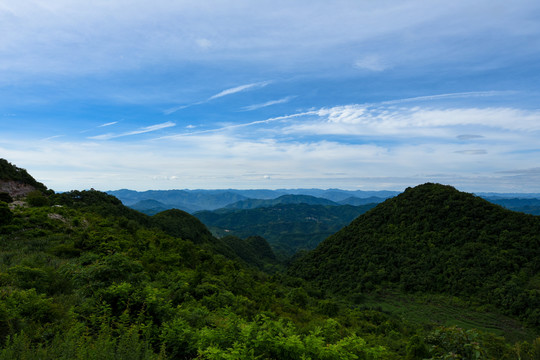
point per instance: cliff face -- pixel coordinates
(15, 189)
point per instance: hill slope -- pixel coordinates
(17, 181)
(288, 228)
(433, 238)
(88, 278)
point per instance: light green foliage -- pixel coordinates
(94, 280)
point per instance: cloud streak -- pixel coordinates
(142, 130)
(108, 124)
(227, 92)
(238, 89)
(268, 103)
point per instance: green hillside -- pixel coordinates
(288, 228)
(435, 239)
(10, 172)
(84, 277)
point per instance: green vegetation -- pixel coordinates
(9, 171)
(282, 200)
(288, 228)
(434, 239)
(84, 277)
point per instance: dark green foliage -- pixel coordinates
(180, 224)
(5, 214)
(288, 228)
(433, 238)
(9, 171)
(87, 280)
(36, 198)
(261, 247)
(5, 197)
(416, 349)
(100, 203)
(254, 250)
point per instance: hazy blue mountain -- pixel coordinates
(197, 200)
(282, 200)
(187, 200)
(150, 207)
(361, 201)
(525, 205)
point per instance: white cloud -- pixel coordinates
(371, 63)
(268, 103)
(142, 130)
(238, 89)
(415, 121)
(108, 124)
(223, 93)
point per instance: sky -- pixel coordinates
(350, 94)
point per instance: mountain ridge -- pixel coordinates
(434, 238)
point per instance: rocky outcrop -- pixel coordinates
(15, 189)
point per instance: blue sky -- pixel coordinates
(353, 94)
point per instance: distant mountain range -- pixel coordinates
(154, 201)
(197, 200)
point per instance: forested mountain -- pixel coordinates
(282, 200)
(435, 239)
(288, 228)
(84, 277)
(151, 207)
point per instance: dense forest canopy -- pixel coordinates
(433, 238)
(84, 277)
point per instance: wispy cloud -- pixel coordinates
(465, 137)
(221, 94)
(268, 103)
(142, 130)
(459, 95)
(238, 126)
(52, 137)
(238, 89)
(108, 124)
(472, 152)
(371, 63)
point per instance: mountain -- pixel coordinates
(282, 200)
(187, 200)
(338, 195)
(150, 207)
(435, 239)
(197, 200)
(84, 277)
(287, 227)
(16, 181)
(254, 250)
(525, 205)
(361, 201)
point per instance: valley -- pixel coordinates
(432, 273)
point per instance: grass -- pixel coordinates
(432, 310)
